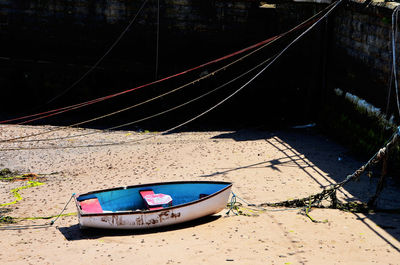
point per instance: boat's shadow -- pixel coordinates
(74, 232)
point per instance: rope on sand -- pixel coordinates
(7, 175)
(17, 196)
(61, 213)
(315, 200)
(11, 220)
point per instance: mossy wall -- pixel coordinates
(360, 62)
(361, 51)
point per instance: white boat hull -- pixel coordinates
(157, 218)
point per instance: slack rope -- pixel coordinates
(79, 105)
(260, 72)
(16, 139)
(101, 58)
(315, 200)
(251, 209)
(332, 7)
(61, 213)
(18, 197)
(157, 39)
(394, 67)
(151, 116)
(330, 192)
(86, 103)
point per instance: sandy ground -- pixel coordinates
(263, 165)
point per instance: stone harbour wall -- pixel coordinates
(48, 44)
(77, 32)
(361, 49)
(178, 14)
(359, 46)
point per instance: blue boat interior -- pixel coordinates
(129, 199)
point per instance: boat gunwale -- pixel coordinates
(76, 196)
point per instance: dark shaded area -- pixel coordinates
(62, 49)
(360, 79)
(319, 158)
(75, 233)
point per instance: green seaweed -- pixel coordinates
(7, 220)
(360, 130)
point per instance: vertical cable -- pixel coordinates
(394, 35)
(100, 59)
(158, 37)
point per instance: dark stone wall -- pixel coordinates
(360, 62)
(48, 45)
(361, 52)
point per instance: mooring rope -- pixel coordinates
(157, 39)
(16, 139)
(262, 70)
(66, 109)
(101, 58)
(394, 67)
(330, 192)
(307, 203)
(332, 7)
(252, 209)
(72, 107)
(151, 116)
(4, 219)
(133, 122)
(61, 213)
(394, 31)
(86, 103)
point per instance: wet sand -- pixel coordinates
(264, 166)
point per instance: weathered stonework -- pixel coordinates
(178, 13)
(362, 50)
(77, 32)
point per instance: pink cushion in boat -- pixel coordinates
(91, 206)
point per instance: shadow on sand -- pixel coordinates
(74, 232)
(311, 152)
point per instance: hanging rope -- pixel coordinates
(307, 203)
(154, 115)
(379, 187)
(332, 7)
(58, 111)
(271, 40)
(53, 112)
(330, 192)
(143, 119)
(101, 58)
(7, 175)
(394, 67)
(16, 139)
(157, 38)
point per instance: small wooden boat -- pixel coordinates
(151, 205)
